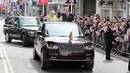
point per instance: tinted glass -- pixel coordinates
(10, 20)
(28, 21)
(63, 30)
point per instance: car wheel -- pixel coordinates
(35, 55)
(7, 38)
(44, 64)
(89, 66)
(25, 41)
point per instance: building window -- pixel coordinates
(49, 0)
(105, 13)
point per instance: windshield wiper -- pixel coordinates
(62, 36)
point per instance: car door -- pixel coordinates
(11, 27)
(18, 30)
(6, 25)
(14, 28)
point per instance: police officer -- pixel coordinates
(109, 38)
(67, 16)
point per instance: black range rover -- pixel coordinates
(62, 43)
(20, 28)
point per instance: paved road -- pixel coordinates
(14, 58)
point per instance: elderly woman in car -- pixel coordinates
(52, 17)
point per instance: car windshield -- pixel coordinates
(63, 30)
(28, 21)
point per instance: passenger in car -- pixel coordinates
(52, 17)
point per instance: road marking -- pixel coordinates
(7, 60)
(4, 62)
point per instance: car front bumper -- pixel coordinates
(74, 60)
(69, 62)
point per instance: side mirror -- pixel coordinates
(6, 22)
(5, 25)
(39, 32)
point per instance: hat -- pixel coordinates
(52, 12)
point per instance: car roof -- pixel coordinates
(60, 23)
(23, 16)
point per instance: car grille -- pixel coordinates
(68, 47)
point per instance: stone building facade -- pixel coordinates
(91, 7)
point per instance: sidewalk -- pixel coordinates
(113, 55)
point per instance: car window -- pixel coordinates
(63, 30)
(11, 20)
(8, 20)
(28, 22)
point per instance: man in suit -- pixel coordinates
(109, 38)
(67, 16)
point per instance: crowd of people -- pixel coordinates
(109, 32)
(97, 26)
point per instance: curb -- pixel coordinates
(113, 55)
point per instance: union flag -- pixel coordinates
(43, 2)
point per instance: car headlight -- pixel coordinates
(51, 46)
(89, 47)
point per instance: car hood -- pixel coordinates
(66, 40)
(31, 28)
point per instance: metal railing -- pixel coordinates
(118, 48)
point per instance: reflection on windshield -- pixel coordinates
(28, 21)
(63, 30)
